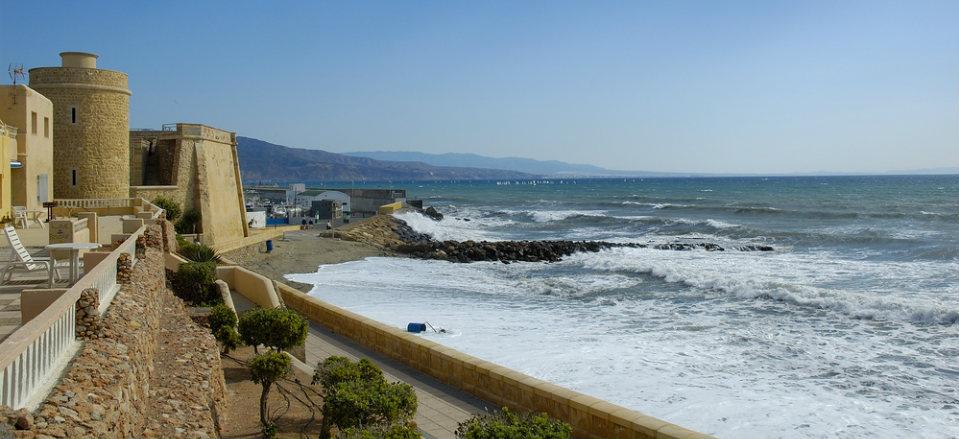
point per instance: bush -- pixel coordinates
(358, 403)
(194, 283)
(508, 425)
(198, 252)
(171, 207)
(223, 326)
(266, 369)
(402, 431)
(335, 370)
(276, 328)
(357, 394)
(228, 339)
(188, 222)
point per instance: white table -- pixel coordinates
(74, 248)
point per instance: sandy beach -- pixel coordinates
(302, 252)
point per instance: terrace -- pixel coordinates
(37, 321)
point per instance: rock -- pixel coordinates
(23, 420)
(433, 213)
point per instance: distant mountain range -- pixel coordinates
(260, 160)
(548, 168)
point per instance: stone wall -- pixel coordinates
(220, 193)
(151, 373)
(97, 145)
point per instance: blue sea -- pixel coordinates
(848, 329)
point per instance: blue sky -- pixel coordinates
(708, 86)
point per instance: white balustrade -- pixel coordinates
(34, 356)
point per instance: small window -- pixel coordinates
(46, 127)
(33, 122)
(73, 114)
(74, 177)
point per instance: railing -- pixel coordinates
(111, 203)
(96, 203)
(33, 356)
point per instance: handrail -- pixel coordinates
(36, 353)
(112, 203)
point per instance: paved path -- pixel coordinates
(441, 407)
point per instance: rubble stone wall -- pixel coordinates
(151, 373)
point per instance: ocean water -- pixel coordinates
(849, 329)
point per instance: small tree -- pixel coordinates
(276, 328)
(266, 369)
(171, 207)
(508, 425)
(357, 395)
(223, 326)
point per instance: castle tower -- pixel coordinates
(91, 127)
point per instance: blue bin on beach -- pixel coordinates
(416, 327)
(269, 246)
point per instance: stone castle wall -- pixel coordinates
(97, 145)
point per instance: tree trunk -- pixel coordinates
(264, 400)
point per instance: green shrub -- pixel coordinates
(188, 222)
(336, 369)
(198, 252)
(194, 283)
(228, 339)
(266, 369)
(357, 394)
(508, 425)
(171, 207)
(399, 431)
(358, 403)
(222, 316)
(223, 326)
(276, 328)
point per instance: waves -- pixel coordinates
(801, 281)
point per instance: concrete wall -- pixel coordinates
(590, 417)
(96, 145)
(34, 147)
(255, 287)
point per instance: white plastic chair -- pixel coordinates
(20, 216)
(21, 260)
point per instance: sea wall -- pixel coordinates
(590, 417)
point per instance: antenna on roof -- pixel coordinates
(16, 73)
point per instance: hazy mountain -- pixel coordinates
(549, 168)
(529, 166)
(260, 160)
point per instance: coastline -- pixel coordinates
(302, 251)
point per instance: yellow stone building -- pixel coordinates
(91, 124)
(79, 138)
(8, 146)
(197, 166)
(32, 154)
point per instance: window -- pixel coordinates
(74, 177)
(73, 114)
(46, 127)
(33, 122)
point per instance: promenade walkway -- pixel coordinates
(441, 407)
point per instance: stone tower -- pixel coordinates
(91, 127)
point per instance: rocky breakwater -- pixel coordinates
(389, 232)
